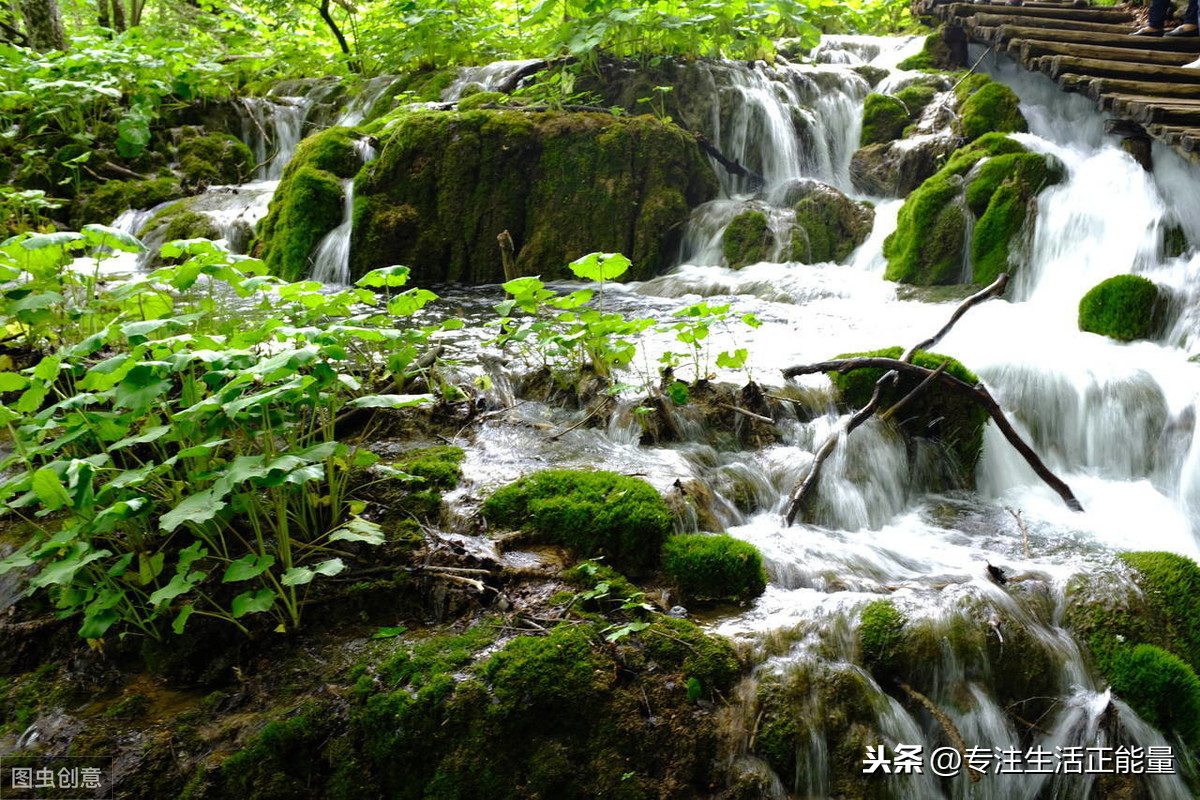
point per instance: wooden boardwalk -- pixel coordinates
(1089, 50)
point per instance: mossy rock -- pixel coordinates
(872, 75)
(880, 636)
(1170, 584)
(106, 202)
(747, 239)
(988, 107)
(475, 100)
(714, 567)
(885, 117)
(332, 150)
(935, 55)
(562, 184)
(306, 206)
(994, 179)
(404, 503)
(215, 158)
(1161, 687)
(937, 414)
(592, 513)
(1125, 307)
(177, 222)
(834, 224)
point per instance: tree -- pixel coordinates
(43, 24)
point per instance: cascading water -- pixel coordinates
(274, 124)
(331, 258)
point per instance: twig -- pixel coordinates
(1024, 529)
(920, 389)
(948, 725)
(603, 404)
(995, 289)
(749, 414)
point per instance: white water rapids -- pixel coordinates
(1116, 421)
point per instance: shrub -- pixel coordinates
(593, 513)
(714, 567)
(1125, 307)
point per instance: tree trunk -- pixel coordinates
(337, 34)
(43, 24)
(135, 12)
(118, 15)
(103, 18)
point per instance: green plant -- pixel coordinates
(175, 459)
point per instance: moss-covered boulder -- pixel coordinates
(987, 107)
(562, 184)
(834, 224)
(1125, 307)
(474, 100)
(592, 513)
(885, 117)
(991, 182)
(880, 637)
(1161, 687)
(935, 54)
(109, 199)
(215, 158)
(938, 413)
(309, 202)
(747, 239)
(714, 567)
(1170, 585)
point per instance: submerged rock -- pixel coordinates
(562, 184)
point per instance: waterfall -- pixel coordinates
(274, 125)
(492, 77)
(331, 258)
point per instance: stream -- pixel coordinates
(1116, 421)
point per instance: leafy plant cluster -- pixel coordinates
(568, 336)
(176, 459)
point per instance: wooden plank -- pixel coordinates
(1168, 115)
(1096, 87)
(995, 20)
(1006, 32)
(1109, 15)
(1099, 68)
(1029, 48)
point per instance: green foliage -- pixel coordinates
(747, 239)
(182, 461)
(714, 567)
(593, 513)
(1125, 307)
(880, 637)
(215, 158)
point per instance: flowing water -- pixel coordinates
(1116, 421)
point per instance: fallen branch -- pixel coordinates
(749, 414)
(1024, 529)
(731, 166)
(894, 368)
(603, 405)
(947, 725)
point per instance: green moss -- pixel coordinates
(679, 645)
(934, 55)
(884, 118)
(927, 246)
(747, 239)
(936, 414)
(1125, 307)
(446, 184)
(1170, 584)
(991, 107)
(592, 513)
(589, 575)
(714, 567)
(332, 150)
(216, 158)
(439, 467)
(872, 75)
(306, 206)
(1160, 687)
(189, 225)
(833, 223)
(476, 100)
(880, 634)
(110, 198)
(994, 179)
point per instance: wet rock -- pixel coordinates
(1125, 307)
(895, 169)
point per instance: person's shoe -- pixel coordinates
(1148, 31)
(1193, 65)
(1184, 30)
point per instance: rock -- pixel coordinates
(987, 107)
(747, 239)
(563, 184)
(895, 169)
(215, 158)
(706, 567)
(1125, 307)
(835, 225)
